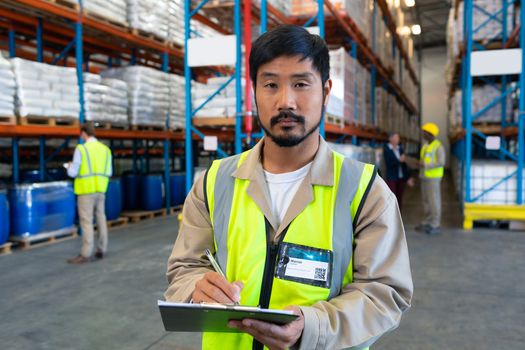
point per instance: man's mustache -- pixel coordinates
(287, 115)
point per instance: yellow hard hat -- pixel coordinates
(431, 128)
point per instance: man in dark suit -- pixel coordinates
(397, 172)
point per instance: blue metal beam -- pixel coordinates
(64, 52)
(204, 2)
(320, 23)
(42, 158)
(264, 16)
(467, 96)
(220, 151)
(223, 86)
(39, 41)
(521, 121)
(12, 43)
(238, 77)
(79, 58)
(16, 160)
(189, 124)
(64, 145)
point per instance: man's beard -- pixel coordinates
(289, 140)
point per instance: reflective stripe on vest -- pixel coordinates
(241, 235)
(93, 175)
(429, 156)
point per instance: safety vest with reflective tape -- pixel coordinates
(429, 156)
(245, 252)
(93, 175)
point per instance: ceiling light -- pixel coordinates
(403, 31)
(397, 3)
(410, 3)
(416, 29)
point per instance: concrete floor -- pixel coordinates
(469, 292)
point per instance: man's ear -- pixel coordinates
(326, 91)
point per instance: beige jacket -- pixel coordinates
(366, 309)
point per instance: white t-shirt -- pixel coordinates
(282, 189)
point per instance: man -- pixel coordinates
(292, 200)
(432, 165)
(91, 168)
(397, 174)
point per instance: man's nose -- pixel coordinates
(286, 99)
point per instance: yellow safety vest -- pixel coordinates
(245, 253)
(429, 156)
(93, 175)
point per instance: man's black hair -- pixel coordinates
(88, 128)
(290, 40)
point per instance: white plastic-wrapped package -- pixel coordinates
(45, 90)
(105, 100)
(162, 18)
(148, 94)
(7, 88)
(113, 10)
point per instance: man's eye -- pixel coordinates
(301, 85)
(270, 85)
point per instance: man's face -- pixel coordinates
(290, 99)
(427, 136)
(394, 139)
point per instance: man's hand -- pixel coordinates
(273, 336)
(213, 288)
(402, 158)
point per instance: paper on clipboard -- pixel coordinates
(184, 317)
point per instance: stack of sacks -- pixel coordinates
(341, 102)
(363, 95)
(177, 101)
(105, 100)
(148, 94)
(162, 18)
(483, 9)
(176, 24)
(113, 10)
(222, 105)
(481, 97)
(7, 88)
(45, 90)
(283, 6)
(359, 12)
(304, 7)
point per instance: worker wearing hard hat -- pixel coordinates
(432, 167)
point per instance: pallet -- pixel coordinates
(109, 126)
(147, 35)
(44, 238)
(49, 121)
(121, 221)
(147, 128)
(214, 122)
(7, 120)
(138, 215)
(331, 119)
(5, 248)
(176, 209)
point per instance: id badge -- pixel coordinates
(304, 264)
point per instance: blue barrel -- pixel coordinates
(151, 192)
(41, 207)
(130, 191)
(177, 188)
(4, 217)
(113, 199)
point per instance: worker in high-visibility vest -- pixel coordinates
(432, 165)
(91, 168)
(292, 223)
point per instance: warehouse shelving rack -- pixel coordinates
(473, 134)
(68, 26)
(339, 26)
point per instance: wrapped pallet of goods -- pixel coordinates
(342, 97)
(222, 105)
(148, 94)
(177, 101)
(44, 90)
(163, 19)
(105, 100)
(112, 10)
(7, 88)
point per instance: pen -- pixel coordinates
(215, 265)
(213, 262)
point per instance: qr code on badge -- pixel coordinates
(320, 274)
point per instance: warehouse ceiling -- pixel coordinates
(432, 15)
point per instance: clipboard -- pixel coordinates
(184, 317)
